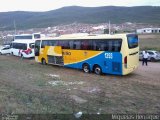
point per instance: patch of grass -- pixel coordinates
(149, 41)
(15, 101)
(23, 89)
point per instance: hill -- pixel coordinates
(66, 15)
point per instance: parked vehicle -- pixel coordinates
(22, 48)
(153, 55)
(112, 54)
(5, 50)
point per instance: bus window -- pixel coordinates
(132, 41)
(85, 45)
(65, 45)
(96, 45)
(110, 48)
(24, 46)
(11, 45)
(44, 43)
(107, 45)
(100, 45)
(23, 37)
(37, 36)
(77, 45)
(71, 44)
(51, 43)
(117, 45)
(31, 45)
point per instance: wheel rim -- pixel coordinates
(86, 69)
(97, 70)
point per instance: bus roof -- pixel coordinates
(23, 34)
(22, 41)
(87, 36)
(26, 34)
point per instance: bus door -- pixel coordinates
(37, 47)
(54, 55)
(37, 50)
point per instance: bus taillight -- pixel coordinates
(125, 61)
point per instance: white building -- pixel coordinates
(148, 30)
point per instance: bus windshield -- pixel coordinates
(132, 41)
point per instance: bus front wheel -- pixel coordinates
(86, 68)
(97, 70)
(44, 62)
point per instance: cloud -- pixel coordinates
(45, 5)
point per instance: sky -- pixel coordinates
(46, 5)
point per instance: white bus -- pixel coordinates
(22, 48)
(23, 44)
(31, 37)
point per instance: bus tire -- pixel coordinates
(11, 53)
(97, 70)
(86, 68)
(0, 53)
(43, 61)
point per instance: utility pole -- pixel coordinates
(109, 27)
(14, 27)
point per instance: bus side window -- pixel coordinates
(71, 42)
(44, 43)
(37, 36)
(25, 47)
(31, 45)
(11, 45)
(77, 45)
(51, 43)
(85, 45)
(97, 45)
(56, 43)
(94, 45)
(65, 44)
(110, 45)
(115, 45)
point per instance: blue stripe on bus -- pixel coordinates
(110, 63)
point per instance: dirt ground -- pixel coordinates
(29, 87)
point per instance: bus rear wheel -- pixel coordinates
(86, 68)
(44, 62)
(97, 70)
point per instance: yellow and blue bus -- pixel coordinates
(111, 54)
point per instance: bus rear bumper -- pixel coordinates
(128, 70)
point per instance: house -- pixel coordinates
(148, 30)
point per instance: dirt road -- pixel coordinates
(29, 87)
